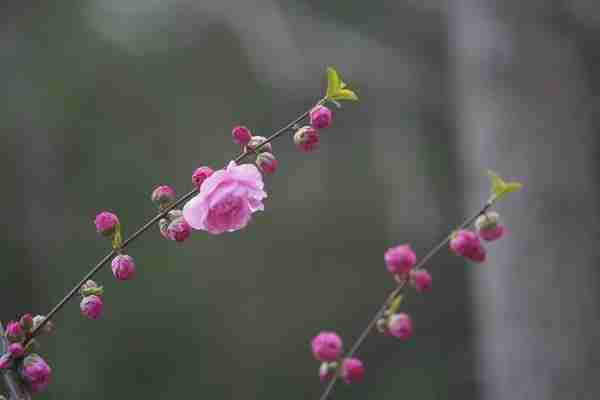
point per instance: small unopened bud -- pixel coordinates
(488, 226)
(123, 267)
(326, 346)
(14, 332)
(91, 288)
(255, 144)
(16, 350)
(307, 138)
(420, 280)
(400, 326)
(163, 195)
(26, 322)
(48, 326)
(241, 135)
(267, 162)
(91, 306)
(178, 230)
(106, 223)
(352, 371)
(400, 259)
(200, 175)
(320, 117)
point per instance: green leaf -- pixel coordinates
(344, 94)
(117, 238)
(336, 89)
(395, 304)
(500, 187)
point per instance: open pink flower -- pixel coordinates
(226, 199)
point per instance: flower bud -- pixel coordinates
(35, 372)
(320, 117)
(48, 326)
(26, 322)
(327, 371)
(241, 135)
(488, 226)
(14, 332)
(106, 223)
(352, 371)
(466, 244)
(420, 280)
(200, 175)
(306, 138)
(257, 141)
(400, 326)
(163, 195)
(16, 350)
(266, 162)
(5, 361)
(91, 288)
(91, 306)
(478, 255)
(400, 259)
(179, 230)
(326, 346)
(123, 267)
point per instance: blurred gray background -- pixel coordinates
(103, 99)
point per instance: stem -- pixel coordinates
(394, 293)
(103, 261)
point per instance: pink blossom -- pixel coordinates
(91, 306)
(266, 162)
(326, 346)
(16, 350)
(106, 223)
(163, 195)
(36, 373)
(178, 230)
(226, 200)
(123, 267)
(200, 175)
(320, 117)
(352, 371)
(400, 326)
(241, 135)
(307, 138)
(400, 259)
(466, 244)
(421, 280)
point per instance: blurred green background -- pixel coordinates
(105, 99)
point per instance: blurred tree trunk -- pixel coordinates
(522, 105)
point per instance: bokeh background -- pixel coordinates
(103, 99)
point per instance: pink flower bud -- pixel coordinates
(5, 361)
(307, 138)
(488, 226)
(478, 255)
(320, 117)
(327, 371)
(326, 346)
(163, 195)
(257, 141)
(420, 280)
(123, 267)
(91, 306)
(266, 162)
(352, 371)
(241, 135)
(26, 322)
(400, 326)
(48, 326)
(14, 332)
(464, 242)
(16, 350)
(200, 175)
(179, 230)
(36, 373)
(400, 259)
(106, 223)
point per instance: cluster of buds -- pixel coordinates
(307, 137)
(174, 226)
(400, 261)
(265, 159)
(327, 348)
(21, 356)
(467, 244)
